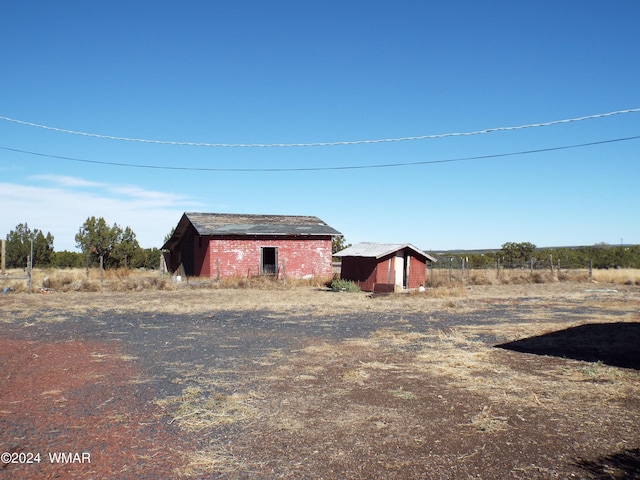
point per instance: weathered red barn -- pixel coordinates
(219, 245)
(384, 267)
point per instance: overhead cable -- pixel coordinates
(316, 169)
(320, 144)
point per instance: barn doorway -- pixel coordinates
(268, 260)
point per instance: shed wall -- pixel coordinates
(360, 270)
(417, 272)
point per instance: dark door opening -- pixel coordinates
(268, 260)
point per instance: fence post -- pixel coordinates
(4, 255)
(218, 271)
(450, 270)
(468, 272)
(551, 265)
(29, 273)
(101, 268)
(591, 269)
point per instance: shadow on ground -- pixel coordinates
(618, 466)
(615, 344)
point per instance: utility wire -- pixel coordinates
(321, 144)
(317, 169)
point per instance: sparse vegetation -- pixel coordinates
(340, 285)
(440, 284)
(248, 377)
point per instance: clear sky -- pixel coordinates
(291, 72)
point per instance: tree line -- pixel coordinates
(527, 255)
(96, 240)
(119, 248)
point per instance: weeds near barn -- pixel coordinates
(340, 285)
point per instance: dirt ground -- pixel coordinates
(494, 382)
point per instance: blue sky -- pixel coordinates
(291, 72)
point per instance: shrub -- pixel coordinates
(340, 285)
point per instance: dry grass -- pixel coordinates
(622, 276)
(297, 300)
(214, 458)
(472, 365)
(208, 402)
(442, 278)
(197, 409)
(440, 284)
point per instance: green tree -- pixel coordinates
(126, 252)
(517, 253)
(96, 239)
(118, 247)
(338, 243)
(152, 258)
(66, 259)
(18, 247)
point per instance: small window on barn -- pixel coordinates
(268, 260)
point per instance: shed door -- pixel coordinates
(398, 267)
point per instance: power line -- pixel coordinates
(316, 169)
(320, 144)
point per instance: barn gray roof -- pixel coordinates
(245, 224)
(379, 250)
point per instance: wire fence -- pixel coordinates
(456, 271)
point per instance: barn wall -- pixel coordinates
(240, 256)
(186, 255)
(201, 254)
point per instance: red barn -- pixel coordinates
(384, 267)
(219, 245)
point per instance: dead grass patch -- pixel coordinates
(485, 421)
(475, 366)
(208, 402)
(620, 276)
(213, 458)
(197, 410)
